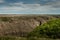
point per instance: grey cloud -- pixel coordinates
(55, 4)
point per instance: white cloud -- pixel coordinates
(1, 1)
(26, 8)
(32, 7)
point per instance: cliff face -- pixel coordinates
(21, 25)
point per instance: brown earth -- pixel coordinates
(21, 25)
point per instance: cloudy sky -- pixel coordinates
(29, 6)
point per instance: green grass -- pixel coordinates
(12, 38)
(24, 38)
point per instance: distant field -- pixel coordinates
(12, 15)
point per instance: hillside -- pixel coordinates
(51, 29)
(21, 25)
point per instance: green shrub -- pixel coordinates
(7, 38)
(5, 19)
(50, 29)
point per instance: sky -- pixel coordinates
(29, 6)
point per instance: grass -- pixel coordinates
(12, 38)
(24, 38)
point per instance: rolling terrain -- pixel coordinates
(21, 25)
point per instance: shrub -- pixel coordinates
(50, 29)
(5, 19)
(7, 38)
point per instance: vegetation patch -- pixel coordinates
(5, 19)
(50, 29)
(12, 38)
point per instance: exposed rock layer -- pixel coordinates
(21, 25)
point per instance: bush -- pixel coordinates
(5, 19)
(50, 29)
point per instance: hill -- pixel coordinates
(51, 29)
(21, 25)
